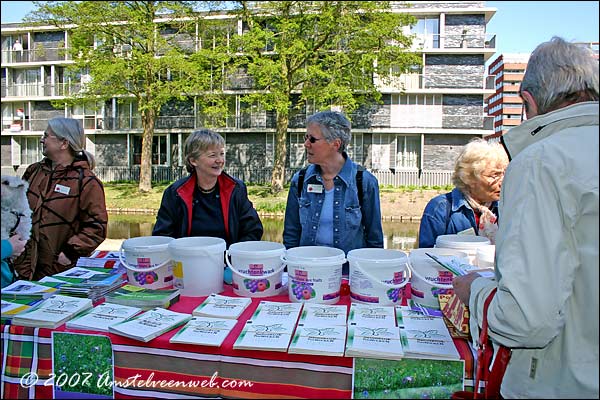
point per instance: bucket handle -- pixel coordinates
(138, 269)
(233, 270)
(325, 264)
(371, 277)
(440, 285)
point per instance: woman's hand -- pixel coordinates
(62, 259)
(18, 245)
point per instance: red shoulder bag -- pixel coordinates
(485, 353)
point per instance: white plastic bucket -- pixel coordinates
(378, 276)
(198, 265)
(147, 261)
(429, 279)
(314, 273)
(486, 256)
(256, 268)
(467, 243)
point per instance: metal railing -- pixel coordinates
(38, 54)
(41, 89)
(435, 81)
(262, 176)
(454, 41)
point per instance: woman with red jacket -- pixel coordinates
(208, 202)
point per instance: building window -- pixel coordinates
(428, 32)
(31, 149)
(395, 151)
(297, 153)
(159, 150)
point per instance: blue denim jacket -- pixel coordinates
(435, 222)
(302, 215)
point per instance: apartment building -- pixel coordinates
(506, 106)
(411, 139)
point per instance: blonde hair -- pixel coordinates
(197, 143)
(72, 130)
(477, 156)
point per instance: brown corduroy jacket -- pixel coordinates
(68, 215)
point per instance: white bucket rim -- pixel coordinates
(238, 248)
(316, 262)
(456, 241)
(337, 255)
(353, 255)
(187, 245)
(125, 244)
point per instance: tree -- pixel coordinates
(130, 49)
(328, 52)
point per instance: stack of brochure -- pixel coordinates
(89, 282)
(323, 315)
(12, 307)
(372, 332)
(425, 336)
(52, 312)
(143, 298)
(270, 328)
(204, 331)
(217, 306)
(150, 324)
(319, 340)
(30, 290)
(102, 316)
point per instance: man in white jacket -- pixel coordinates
(546, 305)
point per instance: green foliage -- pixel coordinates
(83, 363)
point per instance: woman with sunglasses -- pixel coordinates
(472, 206)
(326, 210)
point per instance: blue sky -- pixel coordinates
(519, 26)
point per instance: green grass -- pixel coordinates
(125, 195)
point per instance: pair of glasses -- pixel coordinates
(494, 178)
(310, 138)
(46, 135)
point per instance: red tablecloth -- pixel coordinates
(272, 374)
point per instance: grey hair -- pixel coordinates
(475, 158)
(334, 125)
(197, 143)
(72, 130)
(558, 72)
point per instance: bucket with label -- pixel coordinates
(466, 243)
(378, 276)
(428, 278)
(148, 261)
(256, 268)
(198, 264)
(486, 256)
(314, 273)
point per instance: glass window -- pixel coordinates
(31, 149)
(159, 150)
(408, 148)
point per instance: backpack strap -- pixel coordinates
(448, 210)
(301, 180)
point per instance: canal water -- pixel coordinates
(397, 235)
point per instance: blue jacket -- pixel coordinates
(438, 220)
(354, 228)
(174, 216)
(7, 275)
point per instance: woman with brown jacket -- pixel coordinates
(67, 201)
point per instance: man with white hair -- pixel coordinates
(546, 305)
(67, 203)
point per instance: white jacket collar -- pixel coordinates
(542, 126)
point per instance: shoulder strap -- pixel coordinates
(448, 210)
(359, 184)
(301, 179)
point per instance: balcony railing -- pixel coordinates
(245, 121)
(40, 89)
(454, 41)
(435, 81)
(38, 54)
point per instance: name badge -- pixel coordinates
(62, 189)
(469, 231)
(314, 188)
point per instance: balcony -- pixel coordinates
(190, 122)
(39, 54)
(40, 89)
(409, 82)
(454, 41)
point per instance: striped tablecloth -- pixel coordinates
(271, 374)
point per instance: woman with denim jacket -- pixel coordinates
(472, 206)
(326, 210)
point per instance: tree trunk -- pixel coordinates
(148, 119)
(280, 153)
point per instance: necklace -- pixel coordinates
(212, 189)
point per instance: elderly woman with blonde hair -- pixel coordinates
(472, 206)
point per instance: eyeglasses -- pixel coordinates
(47, 135)
(310, 138)
(494, 177)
